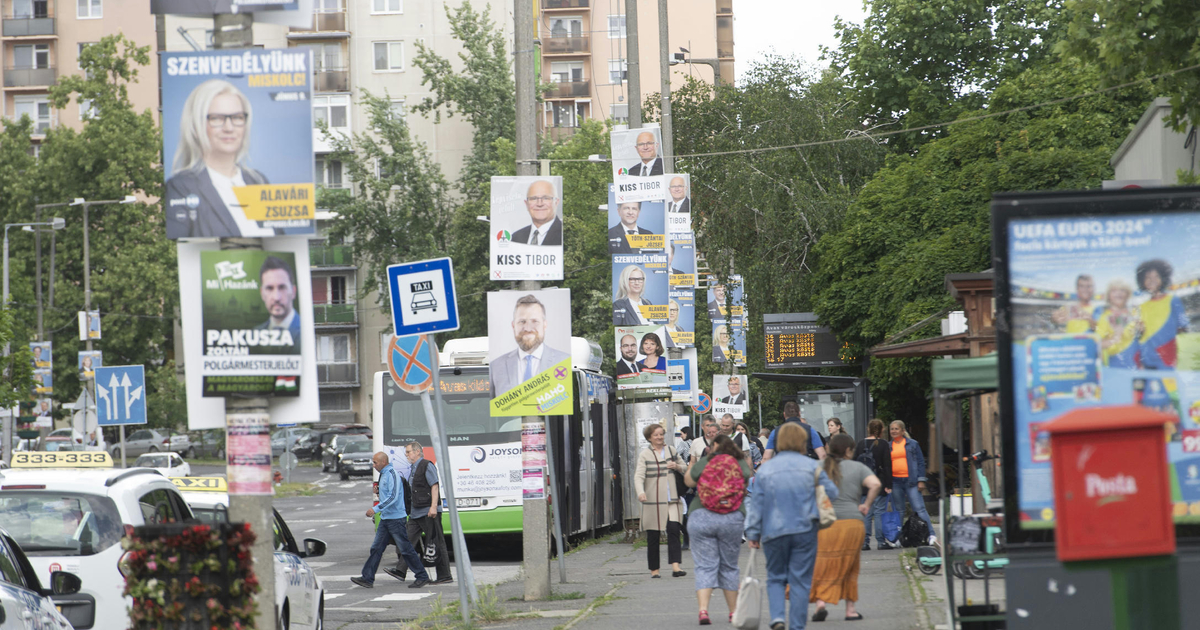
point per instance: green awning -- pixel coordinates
(973, 373)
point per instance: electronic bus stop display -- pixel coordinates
(796, 343)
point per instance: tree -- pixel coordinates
(926, 215)
(914, 63)
(1130, 39)
(17, 367)
(399, 210)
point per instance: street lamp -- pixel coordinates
(87, 256)
(37, 244)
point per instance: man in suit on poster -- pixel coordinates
(617, 241)
(627, 366)
(532, 356)
(679, 200)
(545, 228)
(647, 149)
(736, 395)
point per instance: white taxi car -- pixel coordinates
(299, 594)
(24, 604)
(169, 464)
(68, 511)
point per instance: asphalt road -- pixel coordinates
(336, 517)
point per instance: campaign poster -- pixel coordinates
(529, 341)
(640, 188)
(641, 358)
(680, 329)
(248, 454)
(251, 323)
(533, 460)
(1103, 301)
(731, 394)
(729, 342)
(725, 300)
(683, 374)
(635, 226)
(681, 254)
(237, 143)
(679, 203)
(640, 288)
(42, 352)
(87, 362)
(637, 153)
(527, 228)
(43, 381)
(89, 325)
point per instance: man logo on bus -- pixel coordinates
(478, 455)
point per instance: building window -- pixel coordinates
(89, 9)
(25, 9)
(385, 341)
(333, 109)
(389, 56)
(337, 289)
(568, 113)
(387, 6)
(79, 53)
(87, 110)
(616, 26)
(329, 175)
(619, 112)
(396, 110)
(618, 70)
(569, 26)
(31, 56)
(326, 57)
(37, 108)
(328, 6)
(333, 348)
(335, 401)
(566, 71)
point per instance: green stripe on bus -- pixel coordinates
(502, 520)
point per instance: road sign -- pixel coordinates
(412, 360)
(423, 299)
(704, 405)
(121, 395)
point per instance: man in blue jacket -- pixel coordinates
(392, 524)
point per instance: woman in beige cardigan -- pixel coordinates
(655, 484)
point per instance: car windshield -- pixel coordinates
(361, 446)
(58, 445)
(47, 523)
(153, 461)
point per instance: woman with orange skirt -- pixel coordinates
(835, 576)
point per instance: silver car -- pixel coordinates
(141, 442)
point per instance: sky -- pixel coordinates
(789, 27)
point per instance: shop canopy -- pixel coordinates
(973, 373)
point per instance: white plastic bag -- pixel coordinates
(748, 613)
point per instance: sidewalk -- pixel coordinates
(610, 589)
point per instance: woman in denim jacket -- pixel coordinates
(908, 474)
(782, 519)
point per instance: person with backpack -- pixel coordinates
(716, 519)
(908, 480)
(662, 507)
(791, 413)
(875, 453)
(835, 575)
(783, 519)
(425, 518)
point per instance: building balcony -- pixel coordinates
(30, 77)
(337, 374)
(331, 255)
(724, 7)
(559, 134)
(569, 89)
(335, 315)
(551, 5)
(332, 80)
(325, 24)
(29, 25)
(567, 45)
(724, 50)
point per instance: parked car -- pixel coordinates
(354, 458)
(209, 444)
(360, 429)
(169, 464)
(60, 443)
(284, 439)
(308, 447)
(330, 454)
(141, 442)
(23, 601)
(182, 444)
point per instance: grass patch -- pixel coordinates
(285, 490)
(594, 541)
(445, 615)
(640, 543)
(565, 596)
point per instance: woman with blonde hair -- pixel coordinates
(210, 163)
(721, 344)
(908, 474)
(835, 576)
(1117, 325)
(631, 286)
(654, 482)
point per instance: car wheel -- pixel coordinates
(283, 618)
(320, 625)
(191, 452)
(152, 449)
(345, 476)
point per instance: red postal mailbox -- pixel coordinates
(1112, 493)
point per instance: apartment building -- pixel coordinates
(585, 62)
(40, 40)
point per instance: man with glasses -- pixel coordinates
(541, 203)
(651, 164)
(679, 200)
(618, 241)
(627, 366)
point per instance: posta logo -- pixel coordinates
(478, 455)
(1110, 489)
(503, 235)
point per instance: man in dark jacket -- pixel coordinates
(426, 517)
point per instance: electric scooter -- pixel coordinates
(929, 558)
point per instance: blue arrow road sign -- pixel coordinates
(120, 395)
(423, 299)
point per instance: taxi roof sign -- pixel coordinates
(200, 484)
(61, 459)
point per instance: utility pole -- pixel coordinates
(664, 70)
(233, 31)
(634, 64)
(535, 517)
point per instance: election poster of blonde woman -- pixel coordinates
(529, 342)
(237, 147)
(527, 228)
(639, 289)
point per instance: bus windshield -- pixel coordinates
(465, 399)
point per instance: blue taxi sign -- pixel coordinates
(423, 298)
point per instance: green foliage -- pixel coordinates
(166, 403)
(399, 211)
(1130, 39)
(914, 62)
(16, 368)
(927, 215)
